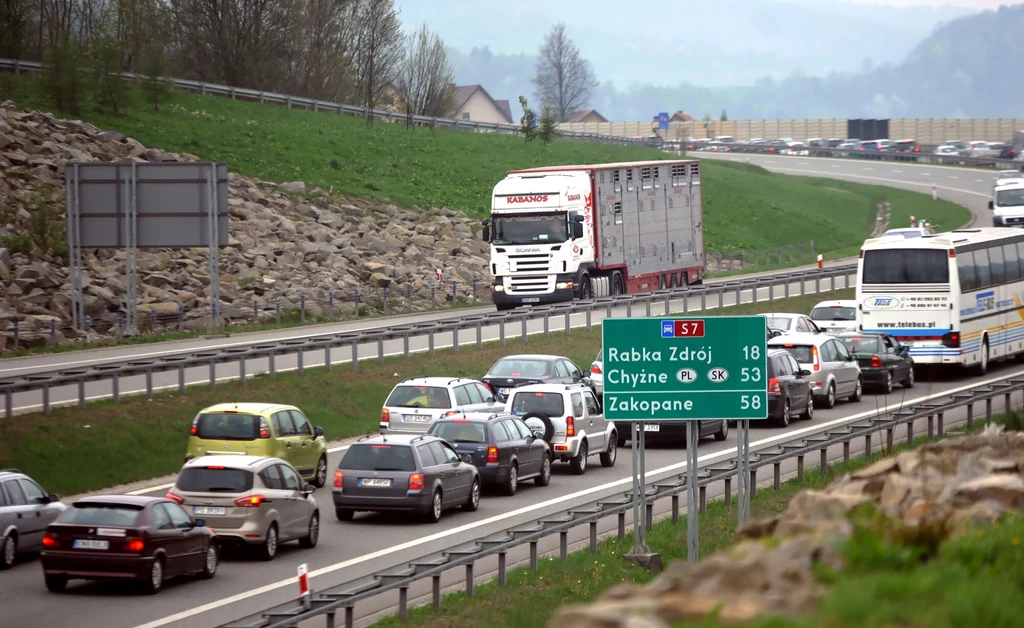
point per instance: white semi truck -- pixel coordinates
(575, 232)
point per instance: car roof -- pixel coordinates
(247, 408)
(476, 417)
(229, 461)
(393, 439)
(800, 339)
(532, 356)
(437, 381)
(781, 314)
(837, 303)
(550, 387)
(125, 500)
(862, 333)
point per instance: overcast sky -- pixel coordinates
(969, 4)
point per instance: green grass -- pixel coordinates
(109, 443)
(583, 577)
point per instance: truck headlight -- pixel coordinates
(498, 288)
(564, 285)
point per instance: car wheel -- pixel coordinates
(474, 497)
(312, 532)
(887, 384)
(344, 514)
(512, 481)
(858, 390)
(212, 561)
(56, 582)
(9, 553)
(155, 582)
(783, 420)
(609, 456)
(320, 477)
(435, 508)
(723, 432)
(545, 472)
(578, 465)
(268, 550)
(830, 396)
(808, 414)
(909, 381)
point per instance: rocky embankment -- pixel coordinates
(287, 241)
(940, 487)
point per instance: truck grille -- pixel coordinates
(531, 263)
(1013, 220)
(529, 284)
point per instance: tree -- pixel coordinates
(378, 51)
(322, 63)
(526, 122)
(111, 89)
(548, 125)
(563, 78)
(154, 86)
(14, 21)
(426, 82)
(723, 117)
(63, 81)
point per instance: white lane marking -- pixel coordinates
(835, 166)
(229, 378)
(860, 176)
(952, 177)
(894, 170)
(926, 174)
(198, 610)
(164, 487)
(865, 168)
(979, 180)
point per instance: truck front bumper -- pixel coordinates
(500, 292)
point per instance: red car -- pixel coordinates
(123, 537)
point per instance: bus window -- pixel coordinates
(995, 255)
(896, 266)
(982, 268)
(965, 266)
(1012, 263)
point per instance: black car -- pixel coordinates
(521, 370)
(883, 360)
(402, 472)
(502, 448)
(789, 392)
(1007, 152)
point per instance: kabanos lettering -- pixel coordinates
(528, 199)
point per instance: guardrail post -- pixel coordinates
(703, 302)
(546, 332)
(502, 576)
(523, 321)
(288, 101)
(942, 429)
(817, 284)
(181, 381)
(739, 294)
(648, 514)
(867, 447)
(771, 292)
(668, 306)
(430, 341)
(988, 411)
(213, 374)
(824, 460)
(241, 370)
(81, 392)
(9, 404)
(910, 433)
(115, 386)
(629, 309)
(533, 555)
(278, 310)
(803, 287)
(272, 363)
(355, 351)
(563, 545)
(149, 383)
(202, 88)
(590, 311)
(479, 335)
(752, 484)
(931, 425)
(608, 310)
(800, 468)
(622, 525)
(501, 331)
(1006, 403)
(728, 494)
(300, 359)
(703, 490)
(46, 399)
(721, 298)
(350, 617)
(435, 591)
(647, 307)
(846, 451)
(380, 349)
(778, 476)
(593, 537)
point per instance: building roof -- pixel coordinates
(579, 116)
(464, 92)
(679, 116)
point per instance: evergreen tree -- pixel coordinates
(548, 125)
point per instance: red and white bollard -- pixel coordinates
(821, 261)
(304, 585)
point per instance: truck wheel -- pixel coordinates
(586, 288)
(617, 287)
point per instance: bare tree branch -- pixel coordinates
(379, 51)
(564, 79)
(426, 81)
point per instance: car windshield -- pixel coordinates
(220, 426)
(460, 432)
(802, 353)
(120, 515)
(524, 403)
(1010, 198)
(834, 313)
(381, 457)
(862, 344)
(780, 322)
(435, 397)
(214, 480)
(530, 229)
(901, 266)
(514, 367)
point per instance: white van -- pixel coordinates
(1007, 204)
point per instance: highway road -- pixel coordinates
(348, 551)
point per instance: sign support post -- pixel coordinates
(743, 471)
(692, 490)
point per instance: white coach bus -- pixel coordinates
(950, 298)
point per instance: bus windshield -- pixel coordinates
(531, 229)
(905, 266)
(1013, 197)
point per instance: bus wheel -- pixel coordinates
(982, 367)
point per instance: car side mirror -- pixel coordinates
(577, 230)
(485, 234)
(851, 358)
(804, 373)
(308, 490)
(318, 431)
(199, 523)
(991, 205)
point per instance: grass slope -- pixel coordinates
(109, 443)
(746, 207)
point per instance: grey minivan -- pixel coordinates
(25, 511)
(835, 372)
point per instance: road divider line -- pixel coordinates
(860, 176)
(460, 530)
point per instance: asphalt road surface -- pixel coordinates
(349, 551)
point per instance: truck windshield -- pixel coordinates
(530, 229)
(1010, 198)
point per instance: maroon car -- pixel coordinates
(124, 537)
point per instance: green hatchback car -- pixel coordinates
(261, 429)
(883, 360)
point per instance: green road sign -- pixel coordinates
(685, 369)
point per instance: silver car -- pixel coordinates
(835, 317)
(249, 500)
(414, 404)
(791, 323)
(835, 372)
(25, 511)
(597, 372)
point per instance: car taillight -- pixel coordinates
(416, 482)
(773, 386)
(492, 454)
(595, 369)
(264, 428)
(50, 540)
(339, 479)
(817, 363)
(876, 361)
(194, 430)
(451, 413)
(385, 416)
(177, 499)
(917, 149)
(134, 544)
(570, 426)
(951, 339)
(253, 501)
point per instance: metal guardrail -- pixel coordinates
(214, 89)
(45, 381)
(344, 597)
(921, 158)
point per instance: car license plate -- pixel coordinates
(652, 427)
(208, 510)
(382, 482)
(531, 299)
(90, 544)
(416, 418)
(503, 391)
